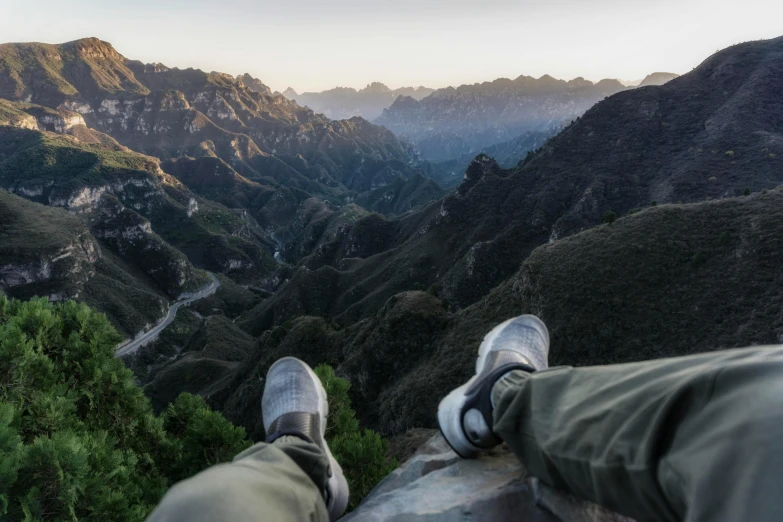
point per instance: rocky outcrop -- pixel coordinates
(131, 236)
(62, 272)
(437, 485)
(36, 117)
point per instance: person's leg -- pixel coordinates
(291, 477)
(692, 438)
(283, 481)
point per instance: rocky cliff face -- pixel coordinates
(457, 121)
(437, 485)
(79, 175)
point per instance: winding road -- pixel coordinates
(130, 346)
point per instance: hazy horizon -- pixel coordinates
(310, 46)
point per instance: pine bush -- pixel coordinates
(362, 453)
(78, 440)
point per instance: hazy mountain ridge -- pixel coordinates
(453, 122)
(345, 102)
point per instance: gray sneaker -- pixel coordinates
(294, 403)
(465, 415)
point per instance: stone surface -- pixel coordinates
(437, 485)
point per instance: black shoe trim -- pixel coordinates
(299, 424)
(480, 398)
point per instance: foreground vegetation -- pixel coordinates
(361, 453)
(79, 440)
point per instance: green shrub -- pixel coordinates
(362, 453)
(747, 191)
(654, 203)
(78, 440)
(610, 217)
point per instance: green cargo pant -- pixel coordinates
(696, 438)
(279, 482)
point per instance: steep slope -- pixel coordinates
(344, 102)
(169, 113)
(453, 122)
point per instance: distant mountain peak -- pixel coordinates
(548, 79)
(658, 78)
(254, 84)
(376, 87)
(290, 93)
(94, 48)
(403, 102)
(155, 67)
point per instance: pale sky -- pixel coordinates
(319, 44)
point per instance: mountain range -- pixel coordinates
(399, 305)
(170, 171)
(344, 102)
(171, 113)
(646, 227)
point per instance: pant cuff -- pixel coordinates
(511, 380)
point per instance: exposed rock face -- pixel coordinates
(453, 122)
(36, 117)
(254, 84)
(437, 485)
(63, 272)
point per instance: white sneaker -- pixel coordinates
(294, 403)
(465, 415)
